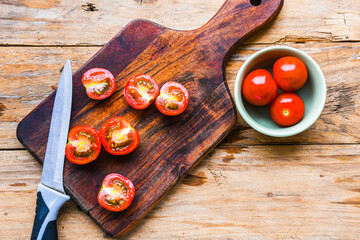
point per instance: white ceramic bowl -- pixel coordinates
(313, 92)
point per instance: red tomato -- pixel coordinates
(140, 91)
(173, 99)
(290, 73)
(259, 88)
(287, 109)
(116, 193)
(84, 145)
(99, 83)
(118, 137)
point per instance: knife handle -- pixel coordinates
(48, 204)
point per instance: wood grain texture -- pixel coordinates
(170, 146)
(257, 192)
(39, 69)
(40, 22)
(323, 169)
(340, 65)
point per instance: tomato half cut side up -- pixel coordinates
(118, 137)
(140, 91)
(173, 99)
(84, 145)
(116, 193)
(99, 83)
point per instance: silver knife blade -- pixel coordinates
(52, 173)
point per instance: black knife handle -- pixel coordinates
(48, 204)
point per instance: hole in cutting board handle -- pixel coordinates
(255, 2)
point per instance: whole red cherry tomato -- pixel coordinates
(259, 88)
(84, 145)
(116, 193)
(173, 99)
(99, 83)
(140, 91)
(290, 73)
(118, 137)
(287, 109)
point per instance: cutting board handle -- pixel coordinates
(236, 19)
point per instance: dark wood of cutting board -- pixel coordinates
(169, 146)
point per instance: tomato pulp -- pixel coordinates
(173, 99)
(99, 83)
(116, 193)
(83, 146)
(287, 109)
(140, 91)
(259, 88)
(290, 73)
(118, 137)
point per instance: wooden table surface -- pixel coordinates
(250, 186)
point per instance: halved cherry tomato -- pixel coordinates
(287, 109)
(118, 137)
(290, 73)
(84, 145)
(173, 99)
(140, 91)
(116, 193)
(259, 88)
(99, 83)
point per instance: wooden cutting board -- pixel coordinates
(169, 146)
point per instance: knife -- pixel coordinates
(50, 192)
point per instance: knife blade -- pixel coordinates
(50, 193)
